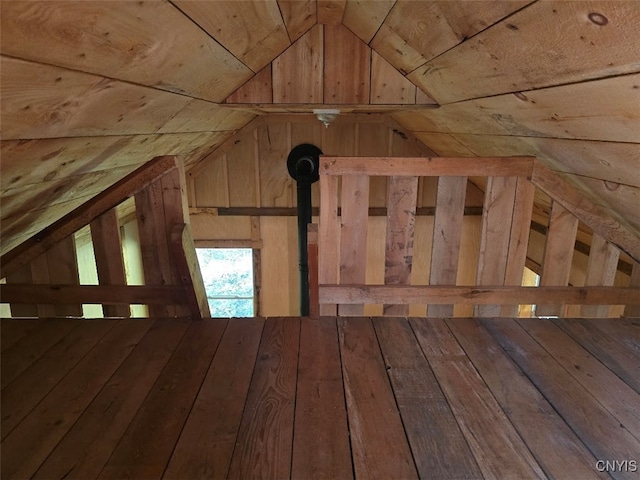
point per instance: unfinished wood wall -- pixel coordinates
(345, 264)
(248, 177)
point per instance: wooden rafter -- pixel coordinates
(85, 214)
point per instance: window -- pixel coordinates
(228, 280)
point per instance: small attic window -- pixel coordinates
(228, 280)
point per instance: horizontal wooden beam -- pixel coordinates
(85, 214)
(463, 295)
(292, 211)
(594, 216)
(90, 294)
(428, 166)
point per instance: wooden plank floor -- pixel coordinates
(382, 398)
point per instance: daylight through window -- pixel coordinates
(228, 280)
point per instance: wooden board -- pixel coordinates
(447, 230)
(63, 269)
(388, 86)
(330, 12)
(107, 247)
(369, 395)
(591, 422)
(401, 217)
(519, 239)
(556, 447)
(427, 166)
(558, 253)
(85, 449)
(479, 412)
(298, 16)
(144, 452)
(257, 90)
(497, 216)
(253, 31)
(22, 394)
(633, 311)
(43, 101)
(207, 440)
(586, 32)
(328, 237)
(264, 442)
(127, 40)
(353, 235)
(588, 371)
(277, 188)
(438, 446)
(321, 435)
(364, 19)
(601, 270)
(30, 443)
(300, 65)
(346, 77)
(620, 359)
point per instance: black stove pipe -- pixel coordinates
(303, 163)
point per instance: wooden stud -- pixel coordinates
(447, 231)
(519, 239)
(631, 311)
(63, 269)
(188, 270)
(328, 237)
(401, 216)
(600, 221)
(353, 235)
(496, 235)
(107, 247)
(601, 270)
(558, 254)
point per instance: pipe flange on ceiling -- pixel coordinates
(303, 163)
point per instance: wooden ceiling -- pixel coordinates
(92, 90)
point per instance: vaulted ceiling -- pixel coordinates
(92, 90)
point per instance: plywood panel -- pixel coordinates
(257, 90)
(365, 18)
(374, 140)
(297, 73)
(298, 15)
(277, 188)
(253, 31)
(347, 66)
(242, 173)
(149, 43)
(388, 86)
(211, 184)
(330, 11)
(581, 41)
(279, 256)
